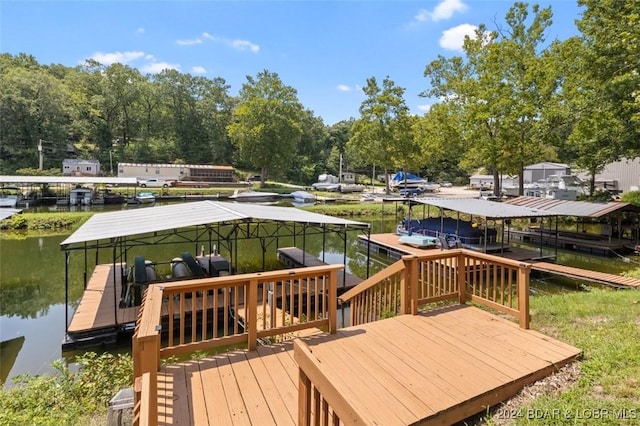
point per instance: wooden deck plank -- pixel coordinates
(195, 390)
(528, 340)
(440, 366)
(361, 388)
(407, 393)
(271, 391)
(458, 371)
(254, 400)
(511, 358)
(472, 346)
(217, 408)
(95, 310)
(287, 387)
(232, 394)
(165, 398)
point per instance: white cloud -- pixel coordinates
(243, 45)
(140, 30)
(444, 10)
(189, 42)
(344, 88)
(424, 107)
(453, 38)
(116, 57)
(209, 36)
(157, 67)
(198, 70)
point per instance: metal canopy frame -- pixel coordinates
(225, 234)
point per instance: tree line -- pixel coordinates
(510, 99)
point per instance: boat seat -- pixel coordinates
(140, 268)
(194, 266)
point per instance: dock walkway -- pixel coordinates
(441, 367)
(595, 276)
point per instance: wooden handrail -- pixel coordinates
(310, 373)
(372, 281)
(294, 288)
(457, 274)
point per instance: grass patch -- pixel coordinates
(605, 325)
(42, 223)
(371, 210)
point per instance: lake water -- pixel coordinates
(32, 290)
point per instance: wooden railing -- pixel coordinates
(202, 314)
(413, 281)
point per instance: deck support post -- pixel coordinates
(523, 294)
(409, 288)
(333, 302)
(304, 399)
(462, 285)
(252, 311)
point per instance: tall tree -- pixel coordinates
(266, 125)
(611, 31)
(499, 91)
(33, 106)
(383, 132)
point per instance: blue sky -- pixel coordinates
(326, 50)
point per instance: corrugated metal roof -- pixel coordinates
(484, 208)
(151, 219)
(571, 208)
(177, 166)
(6, 212)
(72, 180)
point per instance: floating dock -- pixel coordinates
(293, 257)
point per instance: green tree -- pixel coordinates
(383, 132)
(266, 126)
(33, 106)
(499, 91)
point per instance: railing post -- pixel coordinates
(523, 294)
(252, 314)
(409, 286)
(333, 302)
(149, 362)
(304, 399)
(461, 277)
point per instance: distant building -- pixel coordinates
(542, 171)
(76, 167)
(620, 176)
(188, 172)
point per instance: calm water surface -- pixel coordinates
(32, 291)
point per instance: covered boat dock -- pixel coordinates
(601, 228)
(216, 226)
(465, 231)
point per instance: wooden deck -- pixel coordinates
(96, 308)
(442, 367)
(389, 243)
(595, 276)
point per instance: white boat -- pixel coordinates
(418, 241)
(253, 196)
(145, 197)
(406, 180)
(303, 197)
(9, 196)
